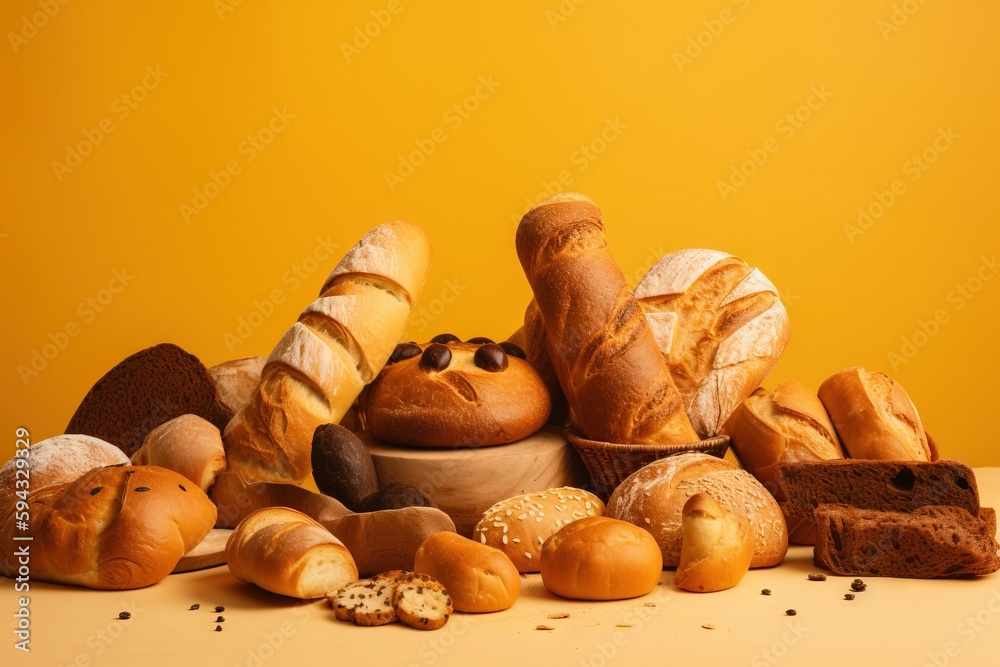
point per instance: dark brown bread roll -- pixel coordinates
(601, 347)
(396, 496)
(342, 466)
(147, 389)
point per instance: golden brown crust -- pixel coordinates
(113, 528)
(601, 347)
(188, 445)
(716, 548)
(874, 416)
(480, 578)
(599, 558)
(461, 405)
(235, 382)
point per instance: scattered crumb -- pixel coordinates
(648, 604)
(817, 577)
(708, 626)
(622, 625)
(559, 615)
(544, 627)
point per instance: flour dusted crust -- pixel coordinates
(653, 498)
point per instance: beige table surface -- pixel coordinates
(894, 622)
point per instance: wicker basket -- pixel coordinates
(609, 464)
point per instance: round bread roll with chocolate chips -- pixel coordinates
(447, 393)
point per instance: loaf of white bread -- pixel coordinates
(601, 347)
(340, 343)
(115, 528)
(285, 552)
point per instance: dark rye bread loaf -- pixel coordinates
(930, 542)
(147, 389)
(897, 486)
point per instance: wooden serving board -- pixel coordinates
(465, 482)
(210, 552)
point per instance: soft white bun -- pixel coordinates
(188, 445)
(716, 548)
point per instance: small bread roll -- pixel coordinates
(342, 467)
(716, 548)
(188, 445)
(519, 526)
(285, 552)
(479, 578)
(875, 417)
(599, 558)
(653, 498)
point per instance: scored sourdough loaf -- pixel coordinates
(519, 526)
(285, 552)
(113, 528)
(188, 445)
(899, 486)
(141, 392)
(721, 326)
(601, 347)
(875, 417)
(447, 393)
(653, 498)
(339, 344)
(929, 542)
(784, 426)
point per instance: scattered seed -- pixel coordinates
(708, 626)
(858, 585)
(790, 612)
(765, 591)
(124, 615)
(559, 615)
(194, 606)
(848, 596)
(817, 577)
(218, 628)
(544, 627)
(219, 609)
(221, 619)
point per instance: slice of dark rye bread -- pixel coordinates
(147, 389)
(897, 486)
(926, 543)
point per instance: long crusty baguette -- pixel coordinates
(339, 344)
(602, 349)
(721, 327)
(285, 552)
(114, 528)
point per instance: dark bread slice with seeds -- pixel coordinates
(147, 389)
(364, 602)
(927, 543)
(423, 603)
(895, 486)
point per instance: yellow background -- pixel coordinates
(560, 74)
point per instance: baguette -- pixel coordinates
(340, 343)
(601, 347)
(285, 552)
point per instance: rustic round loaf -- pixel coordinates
(447, 393)
(653, 498)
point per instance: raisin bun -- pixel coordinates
(449, 393)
